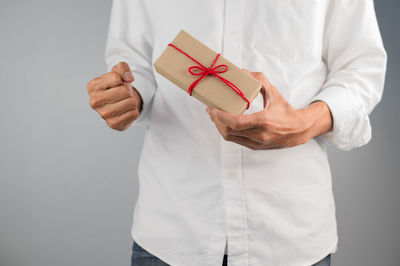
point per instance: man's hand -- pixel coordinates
(114, 98)
(277, 126)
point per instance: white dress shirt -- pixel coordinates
(198, 191)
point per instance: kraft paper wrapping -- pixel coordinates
(211, 91)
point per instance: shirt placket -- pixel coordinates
(231, 153)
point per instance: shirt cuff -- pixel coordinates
(146, 90)
(351, 126)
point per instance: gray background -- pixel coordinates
(68, 183)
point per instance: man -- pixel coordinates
(256, 185)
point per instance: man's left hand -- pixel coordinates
(277, 126)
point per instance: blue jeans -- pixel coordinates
(140, 257)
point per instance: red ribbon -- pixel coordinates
(203, 71)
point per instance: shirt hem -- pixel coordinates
(135, 239)
(331, 250)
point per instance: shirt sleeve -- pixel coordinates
(356, 62)
(129, 40)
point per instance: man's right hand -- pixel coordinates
(114, 98)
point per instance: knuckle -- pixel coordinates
(133, 102)
(117, 66)
(261, 77)
(136, 114)
(102, 115)
(106, 114)
(132, 116)
(263, 122)
(95, 101)
(125, 92)
(91, 85)
(92, 103)
(235, 125)
(225, 135)
(121, 66)
(116, 77)
(114, 125)
(264, 137)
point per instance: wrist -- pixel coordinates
(318, 119)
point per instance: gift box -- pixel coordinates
(206, 75)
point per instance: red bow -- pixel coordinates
(214, 71)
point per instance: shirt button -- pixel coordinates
(231, 174)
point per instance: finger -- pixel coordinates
(268, 90)
(238, 139)
(261, 77)
(119, 93)
(123, 121)
(221, 129)
(112, 95)
(124, 70)
(226, 131)
(246, 70)
(266, 87)
(256, 145)
(245, 142)
(236, 122)
(116, 109)
(274, 147)
(104, 82)
(266, 138)
(256, 134)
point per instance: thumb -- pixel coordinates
(124, 70)
(267, 90)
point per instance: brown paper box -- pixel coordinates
(212, 91)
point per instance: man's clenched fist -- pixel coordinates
(114, 98)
